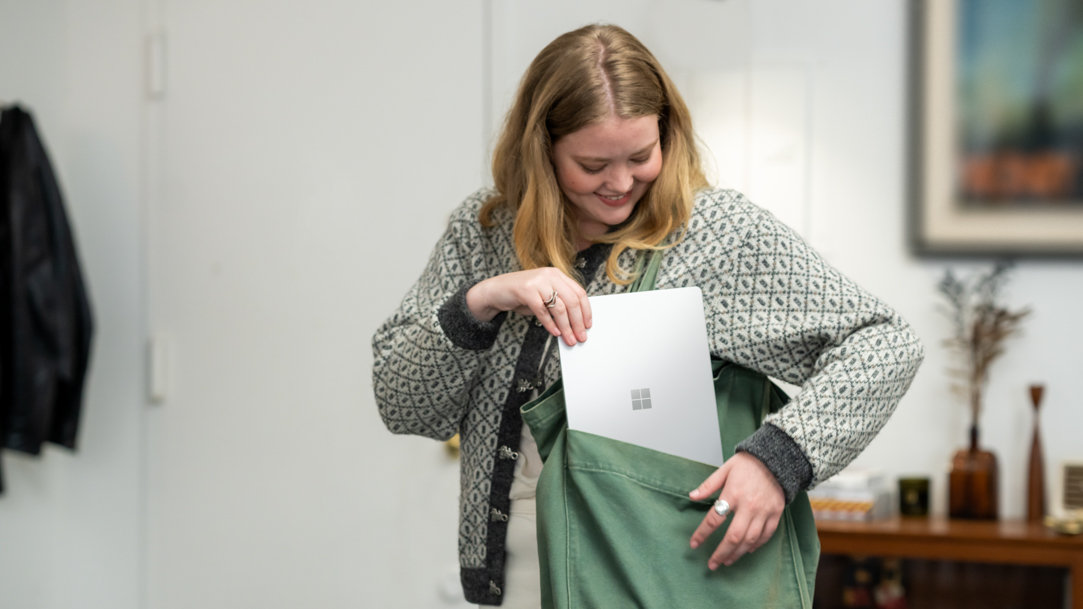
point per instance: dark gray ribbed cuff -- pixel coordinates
(782, 456)
(462, 328)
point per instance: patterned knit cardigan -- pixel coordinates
(772, 304)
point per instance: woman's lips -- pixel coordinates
(614, 202)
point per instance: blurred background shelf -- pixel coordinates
(1007, 563)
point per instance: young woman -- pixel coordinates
(596, 164)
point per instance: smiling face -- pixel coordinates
(605, 168)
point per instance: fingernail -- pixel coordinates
(695, 544)
(713, 566)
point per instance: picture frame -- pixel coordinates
(995, 132)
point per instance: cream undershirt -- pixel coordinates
(522, 575)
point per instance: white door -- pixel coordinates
(304, 157)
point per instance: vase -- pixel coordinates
(1036, 468)
(972, 484)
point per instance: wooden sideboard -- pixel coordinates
(998, 542)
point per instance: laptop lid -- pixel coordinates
(644, 374)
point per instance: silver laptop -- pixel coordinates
(644, 374)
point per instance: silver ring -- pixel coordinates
(552, 301)
(722, 507)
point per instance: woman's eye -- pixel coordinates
(641, 160)
(592, 169)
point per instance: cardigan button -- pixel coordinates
(494, 589)
(497, 516)
(505, 452)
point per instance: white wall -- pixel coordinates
(69, 522)
(305, 158)
(70, 532)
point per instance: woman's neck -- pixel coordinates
(587, 234)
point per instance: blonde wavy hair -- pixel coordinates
(579, 79)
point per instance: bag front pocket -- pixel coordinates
(629, 521)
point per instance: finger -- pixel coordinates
(712, 484)
(726, 552)
(577, 305)
(584, 304)
(560, 314)
(770, 524)
(546, 320)
(552, 312)
(711, 521)
(753, 538)
(536, 305)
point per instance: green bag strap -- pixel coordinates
(645, 278)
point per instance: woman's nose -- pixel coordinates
(619, 179)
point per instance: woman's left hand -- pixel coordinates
(756, 502)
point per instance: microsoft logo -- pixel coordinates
(641, 398)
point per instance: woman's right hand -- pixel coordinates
(526, 293)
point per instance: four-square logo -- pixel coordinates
(641, 398)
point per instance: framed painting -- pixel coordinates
(996, 127)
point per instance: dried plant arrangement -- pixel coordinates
(980, 324)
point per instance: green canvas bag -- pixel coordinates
(614, 519)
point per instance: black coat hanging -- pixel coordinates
(45, 317)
